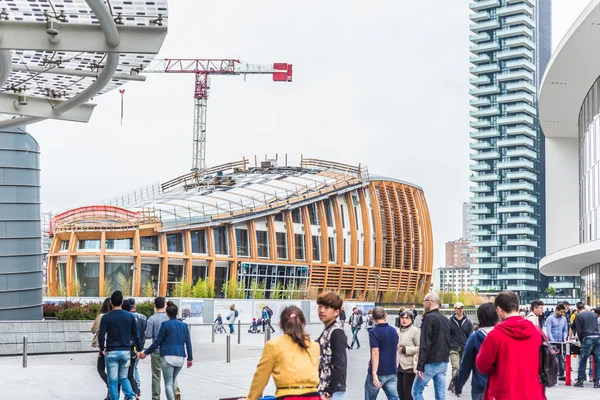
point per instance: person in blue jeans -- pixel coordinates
(118, 329)
(172, 337)
(434, 350)
(488, 318)
(383, 366)
(356, 321)
(586, 326)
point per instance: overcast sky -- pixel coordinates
(385, 86)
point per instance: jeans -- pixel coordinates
(405, 382)
(101, 367)
(476, 395)
(437, 372)
(266, 322)
(156, 367)
(131, 373)
(169, 376)
(590, 345)
(355, 330)
(117, 365)
(230, 328)
(389, 386)
(338, 396)
(561, 364)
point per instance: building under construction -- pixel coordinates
(321, 224)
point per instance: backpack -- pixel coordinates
(235, 313)
(270, 312)
(548, 364)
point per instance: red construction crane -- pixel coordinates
(202, 68)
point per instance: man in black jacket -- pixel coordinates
(333, 342)
(586, 326)
(434, 350)
(461, 328)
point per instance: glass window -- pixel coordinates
(89, 244)
(316, 245)
(199, 242)
(118, 276)
(87, 274)
(300, 253)
(279, 217)
(198, 272)
(343, 218)
(331, 249)
(62, 275)
(175, 243)
(262, 242)
(149, 243)
(328, 214)
(150, 277)
(174, 277)
(356, 217)
(296, 216)
(242, 241)
(313, 214)
(345, 253)
(281, 245)
(221, 242)
(64, 245)
(119, 244)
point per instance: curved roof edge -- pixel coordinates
(573, 68)
(386, 178)
(570, 261)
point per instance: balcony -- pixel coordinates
(517, 119)
(485, 178)
(521, 64)
(479, 80)
(485, 69)
(484, 90)
(521, 108)
(480, 123)
(484, 276)
(509, 187)
(480, 145)
(486, 243)
(481, 254)
(520, 42)
(515, 231)
(480, 167)
(530, 3)
(517, 276)
(484, 47)
(480, 102)
(563, 285)
(479, 16)
(522, 220)
(515, 164)
(522, 153)
(479, 59)
(522, 265)
(515, 53)
(521, 141)
(484, 200)
(521, 197)
(515, 209)
(485, 155)
(484, 112)
(516, 253)
(480, 189)
(522, 175)
(514, 31)
(528, 288)
(484, 266)
(520, 20)
(509, 98)
(481, 232)
(485, 221)
(521, 130)
(480, 210)
(485, 133)
(515, 9)
(485, 26)
(479, 37)
(484, 5)
(521, 85)
(522, 242)
(515, 75)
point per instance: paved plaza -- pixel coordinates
(74, 376)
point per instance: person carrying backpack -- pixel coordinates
(231, 318)
(356, 321)
(267, 313)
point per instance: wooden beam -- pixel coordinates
(70, 278)
(364, 208)
(272, 237)
(233, 265)
(102, 274)
(289, 228)
(164, 265)
(210, 244)
(137, 260)
(339, 234)
(324, 238)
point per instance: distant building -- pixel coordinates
(467, 217)
(457, 253)
(454, 279)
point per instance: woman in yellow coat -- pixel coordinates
(292, 359)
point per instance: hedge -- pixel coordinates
(77, 311)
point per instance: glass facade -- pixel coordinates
(510, 46)
(273, 278)
(88, 276)
(89, 244)
(590, 284)
(262, 244)
(175, 243)
(198, 242)
(174, 277)
(149, 243)
(242, 241)
(119, 244)
(221, 241)
(118, 276)
(150, 275)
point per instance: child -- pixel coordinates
(219, 320)
(252, 329)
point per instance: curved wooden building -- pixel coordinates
(322, 224)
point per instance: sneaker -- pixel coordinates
(177, 395)
(597, 385)
(561, 378)
(578, 384)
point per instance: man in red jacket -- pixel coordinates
(510, 355)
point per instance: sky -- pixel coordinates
(383, 86)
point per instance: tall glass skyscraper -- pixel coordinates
(511, 46)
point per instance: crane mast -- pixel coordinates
(202, 69)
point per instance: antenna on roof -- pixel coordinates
(122, 91)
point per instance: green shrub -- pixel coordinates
(50, 310)
(145, 307)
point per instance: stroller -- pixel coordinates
(253, 327)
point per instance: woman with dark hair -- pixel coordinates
(101, 363)
(488, 318)
(409, 339)
(172, 337)
(292, 359)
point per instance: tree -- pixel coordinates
(107, 287)
(147, 289)
(550, 291)
(200, 289)
(278, 291)
(124, 284)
